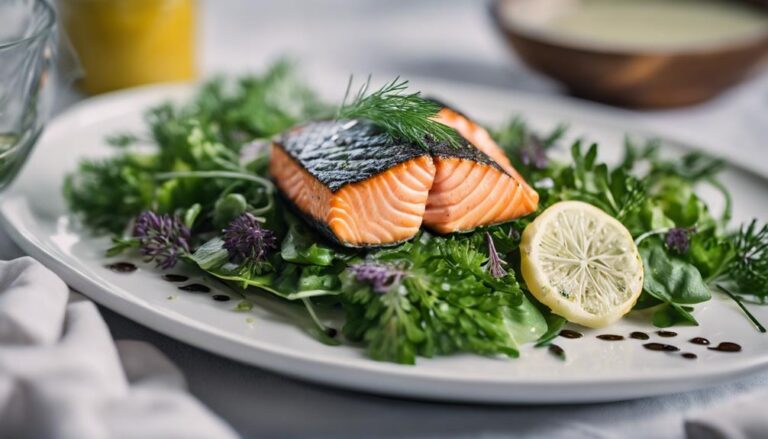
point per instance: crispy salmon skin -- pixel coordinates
(355, 185)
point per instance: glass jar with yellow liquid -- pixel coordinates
(124, 43)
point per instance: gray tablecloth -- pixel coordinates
(446, 39)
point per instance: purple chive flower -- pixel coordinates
(382, 277)
(162, 238)
(246, 240)
(677, 239)
(494, 265)
(533, 153)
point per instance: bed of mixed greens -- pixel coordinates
(194, 189)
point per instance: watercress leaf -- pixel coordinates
(119, 245)
(710, 254)
(315, 277)
(285, 284)
(524, 322)
(646, 301)
(302, 247)
(228, 208)
(673, 315)
(211, 255)
(671, 279)
(191, 214)
(554, 324)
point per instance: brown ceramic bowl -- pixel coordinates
(634, 78)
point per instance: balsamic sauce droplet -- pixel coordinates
(637, 335)
(122, 267)
(567, 333)
(726, 346)
(331, 332)
(666, 334)
(170, 277)
(221, 298)
(557, 351)
(661, 347)
(689, 356)
(610, 337)
(195, 288)
(699, 340)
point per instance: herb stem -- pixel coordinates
(728, 209)
(650, 233)
(313, 315)
(749, 315)
(217, 174)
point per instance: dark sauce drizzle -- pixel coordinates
(331, 332)
(610, 337)
(195, 288)
(666, 334)
(170, 277)
(689, 356)
(122, 267)
(567, 333)
(557, 351)
(221, 298)
(726, 346)
(637, 335)
(699, 340)
(661, 347)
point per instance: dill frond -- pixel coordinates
(402, 115)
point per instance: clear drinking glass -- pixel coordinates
(27, 52)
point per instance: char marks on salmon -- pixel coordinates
(354, 183)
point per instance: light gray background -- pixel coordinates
(450, 40)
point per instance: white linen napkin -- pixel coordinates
(62, 375)
(743, 418)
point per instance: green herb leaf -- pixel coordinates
(301, 246)
(672, 280)
(672, 314)
(228, 208)
(554, 324)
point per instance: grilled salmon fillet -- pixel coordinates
(474, 186)
(353, 183)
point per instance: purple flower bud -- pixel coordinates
(382, 277)
(162, 238)
(678, 240)
(246, 240)
(494, 265)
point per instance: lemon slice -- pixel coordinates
(582, 263)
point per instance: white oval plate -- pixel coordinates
(34, 214)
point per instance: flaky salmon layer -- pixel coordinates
(385, 209)
(467, 194)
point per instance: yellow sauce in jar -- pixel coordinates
(123, 43)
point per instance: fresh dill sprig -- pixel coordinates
(743, 308)
(749, 267)
(402, 115)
